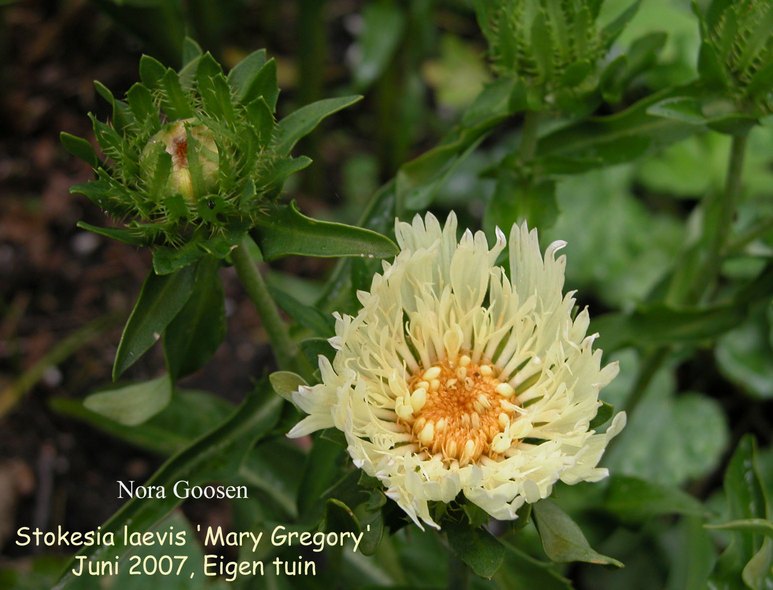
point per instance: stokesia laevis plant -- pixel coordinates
(455, 378)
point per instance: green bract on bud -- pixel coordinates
(737, 53)
(182, 143)
(193, 159)
(554, 48)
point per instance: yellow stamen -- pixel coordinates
(458, 409)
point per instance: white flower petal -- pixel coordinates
(443, 319)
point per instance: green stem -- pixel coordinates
(724, 210)
(529, 137)
(718, 216)
(284, 348)
(647, 371)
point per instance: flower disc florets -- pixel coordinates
(453, 378)
(173, 140)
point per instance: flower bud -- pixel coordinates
(737, 50)
(553, 47)
(194, 159)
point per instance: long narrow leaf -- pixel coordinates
(288, 232)
(304, 120)
(161, 299)
(217, 455)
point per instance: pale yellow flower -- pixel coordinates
(453, 378)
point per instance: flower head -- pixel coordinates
(455, 378)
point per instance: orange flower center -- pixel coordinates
(459, 409)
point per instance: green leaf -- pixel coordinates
(186, 417)
(476, 547)
(175, 101)
(287, 231)
(40, 572)
(320, 473)
(261, 118)
(132, 404)
(746, 496)
(382, 29)
(614, 139)
(641, 56)
(283, 169)
(370, 517)
(516, 200)
(670, 440)
(659, 324)
(142, 106)
(303, 121)
(194, 335)
(152, 71)
(710, 68)
(419, 180)
(79, 147)
(493, 104)
(311, 318)
(338, 517)
(275, 467)
(618, 265)
(214, 90)
(109, 140)
(687, 169)
(612, 30)
(160, 300)
(684, 109)
(241, 75)
(191, 51)
(745, 354)
(748, 551)
(122, 235)
(263, 85)
(520, 570)
(603, 415)
(758, 572)
(167, 260)
(759, 526)
(191, 576)
(313, 348)
(285, 383)
(121, 113)
(761, 82)
(632, 498)
(216, 456)
(692, 555)
(562, 539)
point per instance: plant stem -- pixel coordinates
(528, 145)
(718, 216)
(723, 209)
(647, 371)
(284, 348)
